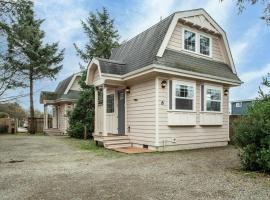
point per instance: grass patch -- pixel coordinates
(28, 134)
(89, 145)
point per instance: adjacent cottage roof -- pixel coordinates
(59, 93)
(143, 50)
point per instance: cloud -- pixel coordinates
(244, 42)
(256, 74)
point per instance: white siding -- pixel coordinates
(175, 42)
(96, 76)
(112, 120)
(190, 134)
(140, 105)
(75, 85)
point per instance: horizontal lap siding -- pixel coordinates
(141, 113)
(175, 42)
(96, 75)
(190, 134)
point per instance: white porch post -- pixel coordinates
(96, 112)
(104, 111)
(45, 117)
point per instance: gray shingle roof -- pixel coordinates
(59, 92)
(141, 51)
(188, 62)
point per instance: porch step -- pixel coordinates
(117, 146)
(113, 141)
(53, 131)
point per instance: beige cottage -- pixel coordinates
(167, 88)
(62, 100)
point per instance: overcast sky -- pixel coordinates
(248, 35)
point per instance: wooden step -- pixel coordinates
(117, 146)
(112, 142)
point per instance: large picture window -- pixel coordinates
(213, 99)
(190, 40)
(110, 103)
(183, 96)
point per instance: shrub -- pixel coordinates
(252, 135)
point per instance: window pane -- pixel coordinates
(183, 104)
(213, 106)
(213, 94)
(184, 91)
(204, 45)
(110, 103)
(100, 97)
(189, 40)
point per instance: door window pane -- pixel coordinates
(110, 103)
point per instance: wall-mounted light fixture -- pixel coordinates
(226, 92)
(127, 90)
(163, 84)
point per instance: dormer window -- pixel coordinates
(190, 41)
(204, 45)
(197, 43)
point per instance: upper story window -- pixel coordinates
(197, 43)
(190, 40)
(204, 45)
(182, 96)
(238, 104)
(213, 99)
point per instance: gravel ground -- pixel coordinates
(47, 167)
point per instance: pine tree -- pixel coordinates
(101, 34)
(36, 60)
(102, 38)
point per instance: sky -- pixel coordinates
(248, 35)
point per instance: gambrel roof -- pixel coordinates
(149, 47)
(62, 91)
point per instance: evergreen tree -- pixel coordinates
(101, 34)
(27, 50)
(102, 38)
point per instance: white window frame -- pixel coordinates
(197, 42)
(206, 87)
(186, 83)
(238, 104)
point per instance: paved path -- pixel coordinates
(47, 167)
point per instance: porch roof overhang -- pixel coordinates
(155, 69)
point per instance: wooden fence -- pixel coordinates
(8, 125)
(233, 118)
(39, 124)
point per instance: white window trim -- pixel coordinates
(187, 83)
(197, 43)
(205, 100)
(112, 113)
(238, 104)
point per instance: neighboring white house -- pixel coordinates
(61, 101)
(167, 88)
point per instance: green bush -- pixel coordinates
(252, 135)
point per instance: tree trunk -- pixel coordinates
(32, 112)
(85, 133)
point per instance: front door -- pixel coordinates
(121, 112)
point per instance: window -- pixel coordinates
(213, 99)
(196, 42)
(110, 103)
(183, 96)
(238, 104)
(190, 40)
(204, 45)
(100, 97)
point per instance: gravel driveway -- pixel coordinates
(47, 167)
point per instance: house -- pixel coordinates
(167, 88)
(240, 107)
(59, 102)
